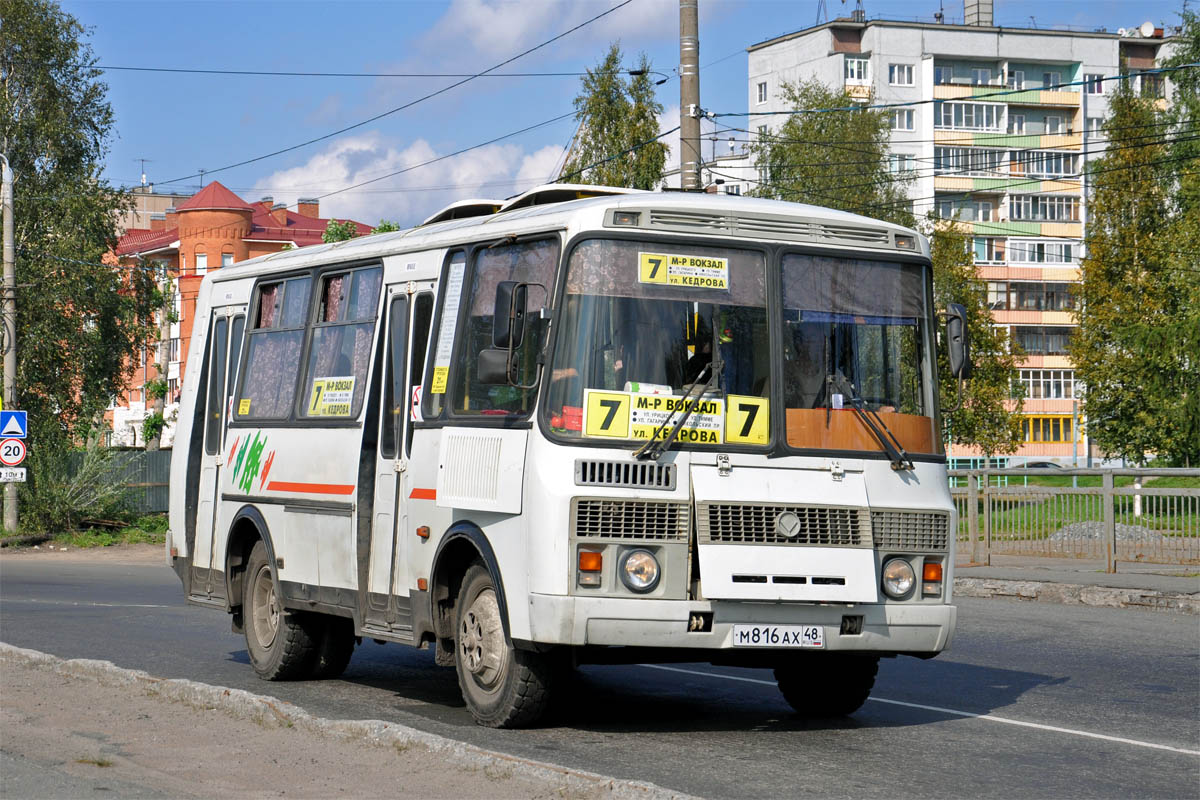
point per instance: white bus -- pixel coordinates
(587, 425)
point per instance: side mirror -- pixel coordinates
(492, 366)
(508, 317)
(958, 341)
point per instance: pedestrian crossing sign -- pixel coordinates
(12, 424)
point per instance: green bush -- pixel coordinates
(67, 488)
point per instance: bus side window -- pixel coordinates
(395, 398)
(422, 322)
(433, 392)
(275, 338)
(216, 387)
(237, 332)
(335, 382)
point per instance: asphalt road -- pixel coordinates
(1033, 700)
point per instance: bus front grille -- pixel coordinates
(920, 531)
(751, 523)
(629, 519)
(626, 474)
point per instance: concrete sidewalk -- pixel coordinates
(1159, 587)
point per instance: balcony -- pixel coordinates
(1000, 94)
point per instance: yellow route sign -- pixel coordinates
(606, 414)
(695, 272)
(747, 419)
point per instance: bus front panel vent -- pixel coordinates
(752, 523)
(911, 531)
(629, 519)
(624, 474)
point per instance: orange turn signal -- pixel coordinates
(590, 561)
(932, 571)
(423, 531)
(422, 585)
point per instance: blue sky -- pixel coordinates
(183, 123)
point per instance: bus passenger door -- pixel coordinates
(387, 606)
(224, 341)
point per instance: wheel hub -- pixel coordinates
(266, 608)
(481, 644)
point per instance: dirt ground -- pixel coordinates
(115, 554)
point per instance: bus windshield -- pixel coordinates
(640, 322)
(853, 325)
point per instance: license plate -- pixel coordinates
(778, 636)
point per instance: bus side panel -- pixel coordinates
(185, 464)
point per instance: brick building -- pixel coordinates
(212, 229)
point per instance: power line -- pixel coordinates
(283, 74)
(409, 104)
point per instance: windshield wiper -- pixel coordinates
(656, 446)
(891, 445)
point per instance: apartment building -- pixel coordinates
(1001, 124)
(212, 229)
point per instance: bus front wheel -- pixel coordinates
(503, 687)
(827, 684)
(282, 644)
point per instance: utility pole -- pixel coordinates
(689, 96)
(10, 323)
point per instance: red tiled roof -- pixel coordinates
(214, 196)
(139, 240)
(299, 229)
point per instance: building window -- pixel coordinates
(1043, 163)
(1093, 84)
(733, 188)
(177, 304)
(1051, 80)
(1016, 79)
(173, 351)
(1043, 208)
(762, 133)
(172, 390)
(942, 75)
(1042, 340)
(968, 116)
(858, 71)
(1047, 429)
(1040, 252)
(1042, 297)
(1053, 125)
(899, 163)
(762, 92)
(226, 259)
(1054, 384)
(1153, 86)
(902, 119)
(900, 74)
(967, 161)
(182, 263)
(997, 295)
(989, 250)
(981, 77)
(1016, 123)
(1095, 127)
(201, 263)
(968, 210)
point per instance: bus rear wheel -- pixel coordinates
(827, 684)
(502, 686)
(282, 644)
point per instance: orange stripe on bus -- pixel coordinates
(311, 488)
(423, 494)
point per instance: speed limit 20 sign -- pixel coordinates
(12, 452)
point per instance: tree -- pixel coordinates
(985, 411)
(79, 320)
(339, 231)
(616, 144)
(1138, 341)
(385, 226)
(836, 159)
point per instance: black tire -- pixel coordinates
(827, 684)
(334, 648)
(502, 686)
(281, 643)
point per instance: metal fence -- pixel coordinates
(1150, 515)
(147, 475)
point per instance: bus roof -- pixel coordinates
(663, 212)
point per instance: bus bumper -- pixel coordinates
(918, 628)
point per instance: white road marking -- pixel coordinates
(988, 717)
(77, 603)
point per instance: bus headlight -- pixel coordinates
(639, 571)
(898, 577)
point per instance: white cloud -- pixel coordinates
(496, 171)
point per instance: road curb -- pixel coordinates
(267, 710)
(1076, 595)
